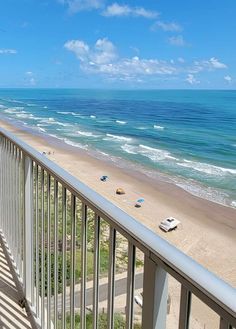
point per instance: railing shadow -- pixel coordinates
(12, 315)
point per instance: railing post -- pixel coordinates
(155, 292)
(28, 228)
(185, 308)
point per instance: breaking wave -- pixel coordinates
(117, 138)
(206, 168)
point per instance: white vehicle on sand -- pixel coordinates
(169, 224)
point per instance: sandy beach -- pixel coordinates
(207, 231)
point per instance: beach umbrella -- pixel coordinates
(104, 178)
(140, 200)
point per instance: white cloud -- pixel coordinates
(80, 48)
(102, 58)
(209, 65)
(8, 51)
(228, 78)
(167, 27)
(216, 64)
(75, 6)
(103, 51)
(181, 60)
(191, 79)
(124, 10)
(30, 80)
(177, 41)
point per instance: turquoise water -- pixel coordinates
(187, 137)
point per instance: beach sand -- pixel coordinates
(207, 231)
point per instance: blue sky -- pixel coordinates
(118, 44)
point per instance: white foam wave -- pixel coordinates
(103, 153)
(62, 124)
(81, 146)
(42, 129)
(155, 154)
(2, 106)
(121, 122)
(11, 111)
(131, 149)
(41, 125)
(158, 127)
(141, 128)
(63, 112)
(25, 115)
(52, 121)
(118, 138)
(93, 116)
(19, 107)
(45, 107)
(86, 133)
(207, 168)
(233, 204)
(57, 137)
(14, 101)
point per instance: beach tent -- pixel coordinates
(120, 191)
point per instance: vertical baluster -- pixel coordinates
(42, 252)
(37, 238)
(12, 200)
(21, 200)
(15, 214)
(64, 205)
(28, 228)
(96, 269)
(5, 188)
(111, 277)
(32, 235)
(185, 308)
(48, 251)
(224, 324)
(155, 292)
(83, 267)
(10, 233)
(55, 253)
(17, 209)
(8, 193)
(1, 182)
(72, 261)
(130, 286)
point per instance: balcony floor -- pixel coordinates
(12, 315)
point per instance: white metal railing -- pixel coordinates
(53, 223)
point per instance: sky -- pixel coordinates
(161, 44)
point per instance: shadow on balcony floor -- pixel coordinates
(12, 315)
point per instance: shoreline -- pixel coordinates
(207, 231)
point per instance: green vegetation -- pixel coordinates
(119, 321)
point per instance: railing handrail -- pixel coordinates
(158, 249)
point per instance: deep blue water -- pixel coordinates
(188, 136)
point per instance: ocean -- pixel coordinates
(187, 137)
